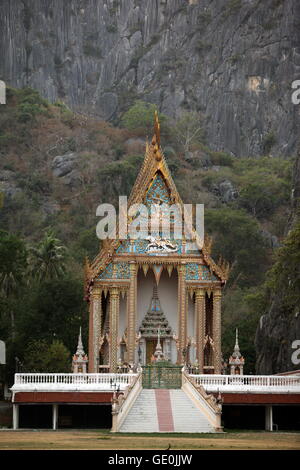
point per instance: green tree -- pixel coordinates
(263, 194)
(48, 259)
(141, 117)
(237, 239)
(120, 176)
(284, 276)
(42, 357)
(53, 309)
(242, 308)
(13, 266)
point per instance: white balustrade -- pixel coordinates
(86, 382)
(248, 383)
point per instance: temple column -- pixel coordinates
(269, 418)
(131, 312)
(15, 416)
(94, 329)
(54, 416)
(97, 307)
(217, 330)
(200, 326)
(182, 323)
(91, 337)
(113, 330)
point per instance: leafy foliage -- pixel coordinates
(12, 262)
(284, 276)
(48, 259)
(43, 301)
(141, 116)
(41, 357)
(237, 238)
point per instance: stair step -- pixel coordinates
(163, 410)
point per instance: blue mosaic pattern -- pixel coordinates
(158, 193)
(122, 271)
(192, 271)
(107, 273)
(140, 246)
(199, 272)
(124, 247)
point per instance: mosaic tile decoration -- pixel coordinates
(199, 272)
(107, 273)
(158, 192)
(122, 271)
(124, 247)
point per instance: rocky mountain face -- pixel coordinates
(275, 336)
(232, 60)
(279, 327)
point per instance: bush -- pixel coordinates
(42, 357)
(237, 239)
(30, 104)
(141, 116)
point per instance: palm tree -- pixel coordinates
(48, 259)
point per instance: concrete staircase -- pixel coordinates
(163, 410)
(187, 417)
(142, 416)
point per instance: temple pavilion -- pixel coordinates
(154, 310)
(138, 289)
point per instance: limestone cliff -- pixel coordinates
(280, 326)
(232, 60)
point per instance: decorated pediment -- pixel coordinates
(158, 192)
(154, 186)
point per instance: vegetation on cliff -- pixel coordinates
(57, 166)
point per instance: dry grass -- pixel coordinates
(45, 440)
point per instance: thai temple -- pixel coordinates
(125, 310)
(154, 361)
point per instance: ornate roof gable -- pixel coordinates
(153, 184)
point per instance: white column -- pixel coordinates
(15, 416)
(269, 418)
(54, 416)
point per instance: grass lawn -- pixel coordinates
(103, 439)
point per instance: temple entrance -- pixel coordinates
(150, 349)
(157, 376)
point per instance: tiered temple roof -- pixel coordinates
(153, 172)
(155, 319)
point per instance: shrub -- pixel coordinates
(141, 116)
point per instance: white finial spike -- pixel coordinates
(237, 338)
(236, 352)
(80, 350)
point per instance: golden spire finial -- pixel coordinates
(157, 128)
